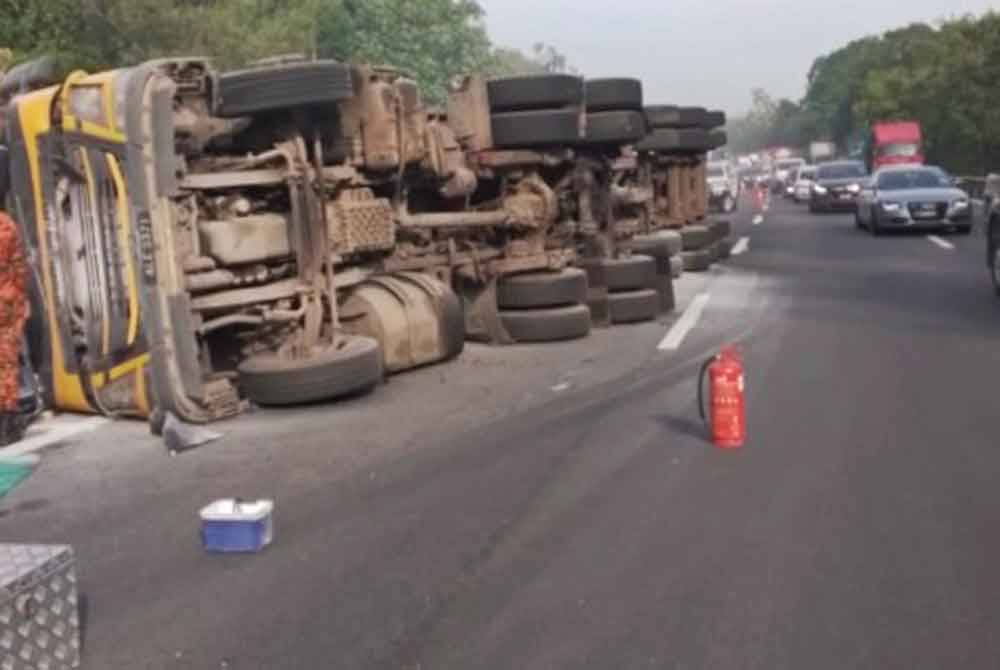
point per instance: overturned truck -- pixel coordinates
(294, 231)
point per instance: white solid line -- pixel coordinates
(757, 220)
(688, 320)
(559, 388)
(741, 245)
(944, 244)
(48, 432)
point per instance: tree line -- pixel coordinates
(432, 40)
(943, 76)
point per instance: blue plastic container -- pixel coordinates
(237, 526)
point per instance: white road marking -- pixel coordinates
(46, 432)
(689, 319)
(757, 220)
(944, 244)
(559, 388)
(742, 245)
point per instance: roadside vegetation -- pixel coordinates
(943, 76)
(431, 39)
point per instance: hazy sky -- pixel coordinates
(706, 52)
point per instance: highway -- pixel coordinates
(559, 507)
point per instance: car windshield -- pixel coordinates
(899, 180)
(841, 171)
(715, 171)
(899, 150)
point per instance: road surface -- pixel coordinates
(560, 508)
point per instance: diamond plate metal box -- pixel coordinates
(39, 619)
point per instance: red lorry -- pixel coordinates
(894, 143)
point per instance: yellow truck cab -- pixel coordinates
(68, 162)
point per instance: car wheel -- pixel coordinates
(353, 367)
(537, 128)
(857, 220)
(603, 95)
(547, 325)
(547, 91)
(634, 306)
(542, 289)
(873, 224)
(256, 90)
(964, 229)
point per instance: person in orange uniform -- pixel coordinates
(13, 313)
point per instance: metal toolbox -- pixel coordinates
(39, 621)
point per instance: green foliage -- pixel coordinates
(432, 40)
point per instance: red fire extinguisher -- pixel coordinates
(726, 419)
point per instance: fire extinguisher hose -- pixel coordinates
(701, 389)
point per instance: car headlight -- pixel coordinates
(854, 188)
(891, 206)
(960, 204)
(821, 190)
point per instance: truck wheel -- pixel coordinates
(547, 325)
(627, 274)
(714, 119)
(546, 91)
(670, 116)
(661, 244)
(669, 139)
(697, 261)
(621, 127)
(537, 128)
(337, 371)
(247, 92)
(721, 229)
(995, 268)
(601, 95)
(696, 237)
(634, 306)
(676, 267)
(542, 289)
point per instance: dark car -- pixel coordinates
(914, 197)
(837, 186)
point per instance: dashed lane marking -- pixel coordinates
(944, 244)
(741, 246)
(689, 319)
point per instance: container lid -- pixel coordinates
(237, 509)
(22, 565)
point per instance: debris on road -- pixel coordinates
(180, 436)
(233, 525)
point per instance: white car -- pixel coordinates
(723, 187)
(804, 183)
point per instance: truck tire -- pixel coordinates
(717, 139)
(661, 244)
(545, 91)
(668, 139)
(353, 368)
(547, 325)
(601, 95)
(721, 228)
(621, 127)
(537, 128)
(248, 92)
(542, 289)
(697, 261)
(629, 274)
(634, 306)
(694, 238)
(676, 267)
(714, 119)
(671, 116)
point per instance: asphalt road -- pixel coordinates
(565, 511)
